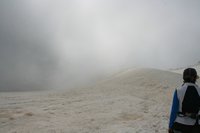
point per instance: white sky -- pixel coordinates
(164, 32)
(76, 40)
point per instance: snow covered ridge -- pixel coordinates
(180, 70)
(134, 101)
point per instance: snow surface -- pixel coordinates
(134, 101)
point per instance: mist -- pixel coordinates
(61, 44)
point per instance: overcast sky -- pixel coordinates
(63, 43)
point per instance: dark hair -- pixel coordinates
(189, 75)
(189, 80)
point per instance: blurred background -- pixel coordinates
(61, 44)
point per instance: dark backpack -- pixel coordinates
(191, 101)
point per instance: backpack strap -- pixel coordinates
(191, 115)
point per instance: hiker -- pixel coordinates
(185, 114)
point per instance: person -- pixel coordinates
(185, 114)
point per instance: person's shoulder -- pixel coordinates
(180, 87)
(194, 84)
(197, 86)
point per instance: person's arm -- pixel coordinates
(174, 110)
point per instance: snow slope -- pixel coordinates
(134, 101)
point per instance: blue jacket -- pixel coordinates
(174, 109)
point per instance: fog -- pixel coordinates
(61, 44)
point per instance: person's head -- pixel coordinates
(190, 75)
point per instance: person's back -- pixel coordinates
(184, 116)
(190, 103)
